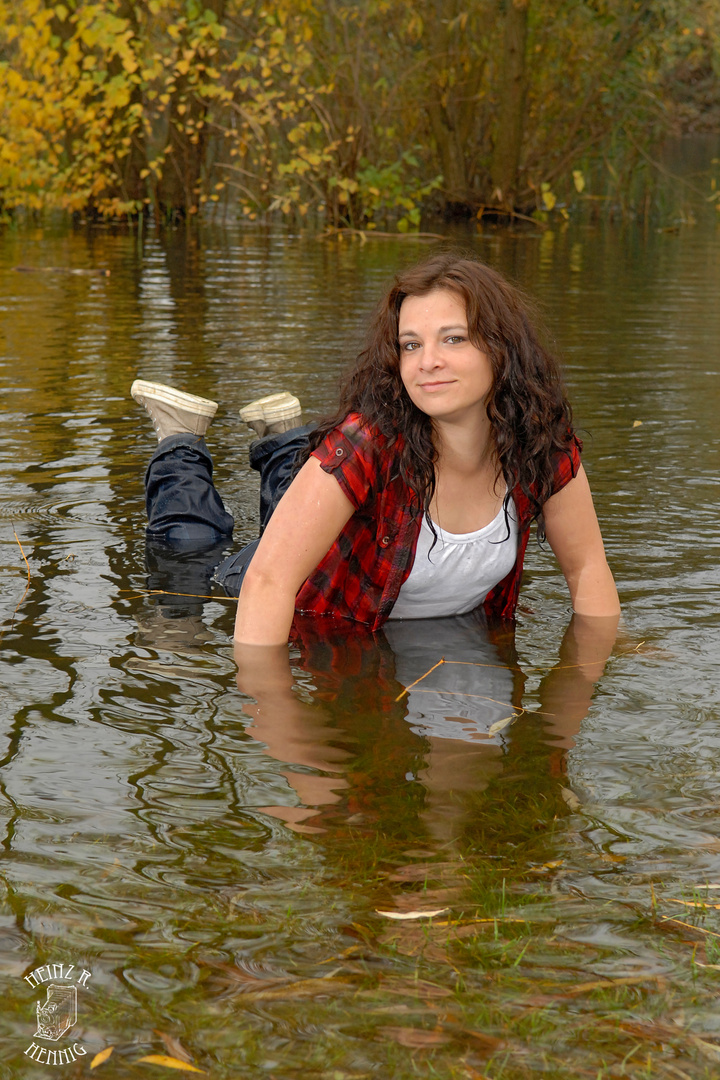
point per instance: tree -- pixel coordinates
(510, 126)
(350, 112)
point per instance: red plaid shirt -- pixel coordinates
(361, 575)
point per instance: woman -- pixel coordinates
(453, 434)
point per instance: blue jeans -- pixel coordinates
(187, 521)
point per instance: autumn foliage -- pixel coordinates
(357, 113)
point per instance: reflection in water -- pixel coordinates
(461, 726)
(469, 697)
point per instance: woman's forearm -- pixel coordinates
(265, 611)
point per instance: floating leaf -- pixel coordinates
(171, 1063)
(578, 180)
(102, 1056)
(415, 1037)
(500, 724)
(173, 1047)
(411, 914)
(570, 798)
(637, 423)
(707, 1049)
(482, 1041)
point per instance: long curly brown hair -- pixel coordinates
(527, 406)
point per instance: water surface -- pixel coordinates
(217, 859)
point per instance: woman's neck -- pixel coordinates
(468, 493)
(463, 448)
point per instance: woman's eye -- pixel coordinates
(409, 346)
(454, 338)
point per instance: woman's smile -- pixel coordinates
(436, 384)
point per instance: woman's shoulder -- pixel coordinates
(561, 466)
(358, 449)
(361, 435)
(359, 455)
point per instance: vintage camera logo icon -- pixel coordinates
(58, 1013)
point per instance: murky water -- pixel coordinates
(217, 858)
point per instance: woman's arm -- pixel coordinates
(309, 517)
(572, 529)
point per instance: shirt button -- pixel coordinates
(385, 541)
(339, 452)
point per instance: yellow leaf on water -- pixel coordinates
(546, 866)
(500, 724)
(570, 798)
(411, 914)
(171, 1063)
(637, 423)
(102, 1056)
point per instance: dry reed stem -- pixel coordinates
(23, 554)
(29, 579)
(525, 670)
(698, 929)
(404, 692)
(691, 903)
(165, 592)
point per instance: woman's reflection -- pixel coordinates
(372, 735)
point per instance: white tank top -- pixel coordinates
(460, 570)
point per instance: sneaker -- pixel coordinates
(272, 415)
(173, 412)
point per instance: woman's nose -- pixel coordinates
(431, 355)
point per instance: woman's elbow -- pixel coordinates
(593, 590)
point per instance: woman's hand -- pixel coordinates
(573, 533)
(309, 517)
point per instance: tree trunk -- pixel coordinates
(506, 154)
(451, 152)
(452, 98)
(178, 191)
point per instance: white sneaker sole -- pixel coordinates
(275, 407)
(143, 391)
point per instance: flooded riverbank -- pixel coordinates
(232, 875)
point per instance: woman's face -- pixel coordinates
(445, 375)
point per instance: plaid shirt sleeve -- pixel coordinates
(567, 465)
(347, 454)
(352, 581)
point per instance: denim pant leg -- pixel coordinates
(184, 510)
(274, 457)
